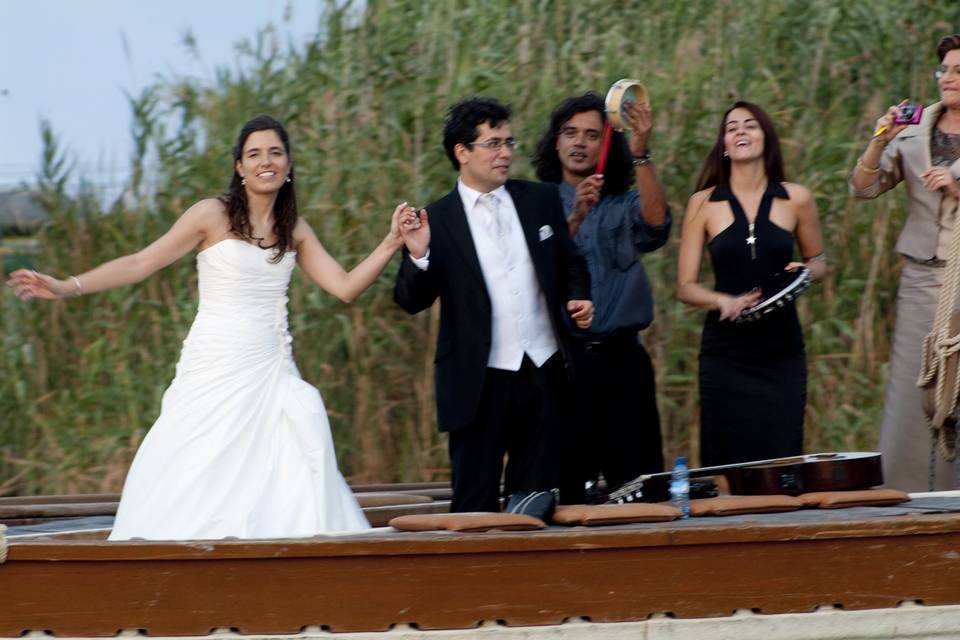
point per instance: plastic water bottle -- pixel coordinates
(680, 486)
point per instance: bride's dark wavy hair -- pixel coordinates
(284, 208)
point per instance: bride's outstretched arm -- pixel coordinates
(327, 272)
(186, 233)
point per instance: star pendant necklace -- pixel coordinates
(751, 226)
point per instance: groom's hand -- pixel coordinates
(415, 231)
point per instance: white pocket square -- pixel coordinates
(545, 232)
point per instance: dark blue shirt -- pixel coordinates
(611, 239)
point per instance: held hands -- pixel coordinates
(940, 178)
(581, 312)
(415, 231)
(640, 118)
(28, 284)
(401, 213)
(731, 307)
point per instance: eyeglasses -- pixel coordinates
(944, 70)
(495, 144)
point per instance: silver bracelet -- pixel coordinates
(79, 291)
(642, 159)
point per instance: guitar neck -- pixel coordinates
(635, 487)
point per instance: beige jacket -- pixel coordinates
(930, 214)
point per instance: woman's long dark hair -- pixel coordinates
(285, 207)
(617, 175)
(716, 168)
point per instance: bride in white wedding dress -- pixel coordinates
(242, 447)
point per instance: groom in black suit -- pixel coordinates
(497, 254)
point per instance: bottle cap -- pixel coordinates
(682, 460)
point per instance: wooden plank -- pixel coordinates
(68, 498)
(367, 583)
(436, 490)
(378, 507)
(100, 534)
(386, 499)
(47, 511)
(442, 493)
(414, 487)
(381, 516)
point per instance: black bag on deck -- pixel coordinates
(539, 504)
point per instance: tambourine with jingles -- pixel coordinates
(622, 91)
(781, 289)
(625, 90)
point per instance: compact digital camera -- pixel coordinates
(908, 114)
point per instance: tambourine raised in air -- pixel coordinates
(625, 90)
(622, 91)
(781, 289)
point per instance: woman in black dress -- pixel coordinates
(753, 375)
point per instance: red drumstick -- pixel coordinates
(604, 147)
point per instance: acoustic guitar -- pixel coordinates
(790, 476)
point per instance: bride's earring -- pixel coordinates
(243, 181)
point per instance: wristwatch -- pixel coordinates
(642, 159)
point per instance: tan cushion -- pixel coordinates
(864, 498)
(600, 514)
(477, 521)
(385, 499)
(735, 505)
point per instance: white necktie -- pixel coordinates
(498, 225)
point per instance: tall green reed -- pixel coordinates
(364, 102)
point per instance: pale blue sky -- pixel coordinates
(71, 62)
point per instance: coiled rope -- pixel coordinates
(938, 347)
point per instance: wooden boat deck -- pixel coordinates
(858, 559)
(26, 515)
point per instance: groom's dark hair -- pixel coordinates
(462, 121)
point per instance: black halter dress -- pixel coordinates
(753, 375)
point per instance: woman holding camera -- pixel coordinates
(925, 155)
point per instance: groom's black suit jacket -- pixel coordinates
(454, 275)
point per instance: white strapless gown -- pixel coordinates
(242, 447)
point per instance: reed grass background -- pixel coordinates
(81, 380)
